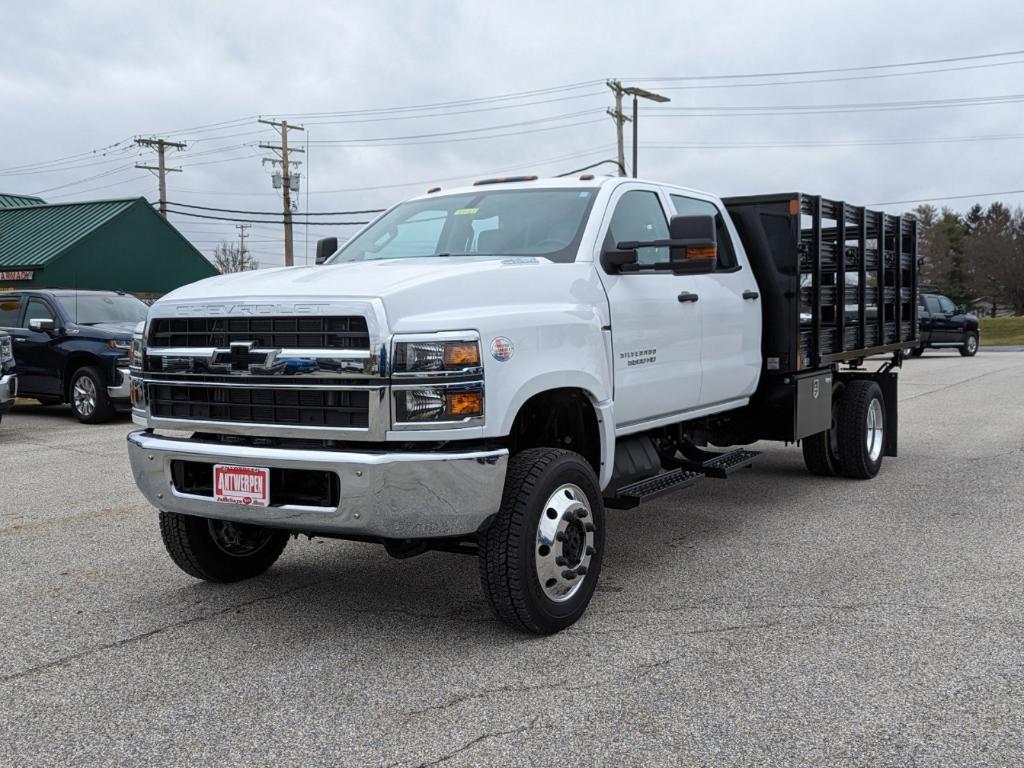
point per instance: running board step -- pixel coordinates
(634, 494)
(722, 465)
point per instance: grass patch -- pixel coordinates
(998, 331)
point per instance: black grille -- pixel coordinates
(287, 332)
(287, 407)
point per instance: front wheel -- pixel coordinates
(541, 556)
(89, 399)
(218, 550)
(970, 347)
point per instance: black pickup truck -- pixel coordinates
(72, 347)
(946, 326)
(8, 379)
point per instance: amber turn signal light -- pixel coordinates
(702, 253)
(466, 403)
(461, 354)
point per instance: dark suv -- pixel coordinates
(72, 347)
(943, 324)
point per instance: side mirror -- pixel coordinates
(41, 325)
(325, 248)
(694, 248)
(613, 261)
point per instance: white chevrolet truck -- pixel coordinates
(486, 370)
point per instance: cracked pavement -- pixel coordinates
(775, 618)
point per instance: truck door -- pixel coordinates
(948, 327)
(34, 352)
(730, 305)
(656, 320)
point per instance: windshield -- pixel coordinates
(90, 309)
(534, 222)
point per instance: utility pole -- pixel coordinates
(286, 179)
(161, 168)
(620, 118)
(241, 240)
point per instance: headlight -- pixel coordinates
(135, 354)
(6, 350)
(120, 345)
(439, 403)
(424, 357)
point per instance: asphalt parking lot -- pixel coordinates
(775, 618)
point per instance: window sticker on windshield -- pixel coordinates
(466, 211)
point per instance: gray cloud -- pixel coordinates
(78, 76)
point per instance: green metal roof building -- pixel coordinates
(102, 244)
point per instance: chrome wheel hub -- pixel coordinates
(875, 435)
(238, 539)
(972, 344)
(564, 543)
(84, 395)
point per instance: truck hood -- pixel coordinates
(361, 279)
(416, 293)
(121, 331)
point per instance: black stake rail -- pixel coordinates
(805, 251)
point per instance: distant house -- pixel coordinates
(101, 244)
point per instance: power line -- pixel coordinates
(870, 106)
(837, 143)
(877, 76)
(277, 213)
(868, 68)
(455, 103)
(265, 221)
(518, 124)
(952, 197)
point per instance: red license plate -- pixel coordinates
(241, 485)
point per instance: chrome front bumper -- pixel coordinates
(8, 391)
(122, 391)
(390, 495)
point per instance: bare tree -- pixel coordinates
(229, 257)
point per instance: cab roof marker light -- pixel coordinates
(503, 180)
(587, 177)
(432, 190)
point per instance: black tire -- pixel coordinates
(508, 551)
(94, 407)
(970, 347)
(819, 457)
(198, 546)
(821, 454)
(856, 459)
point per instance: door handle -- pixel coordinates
(687, 296)
(20, 338)
(751, 295)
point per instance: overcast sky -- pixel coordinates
(81, 76)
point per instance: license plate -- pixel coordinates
(241, 485)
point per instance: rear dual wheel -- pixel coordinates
(855, 443)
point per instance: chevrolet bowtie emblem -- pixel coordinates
(241, 357)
